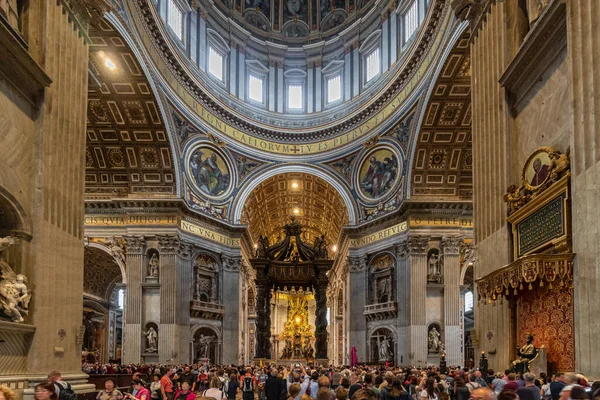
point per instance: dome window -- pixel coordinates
(175, 19)
(411, 21)
(215, 63)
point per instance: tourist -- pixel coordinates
(233, 387)
(498, 383)
(429, 392)
(310, 386)
(507, 395)
(59, 385)
(483, 394)
(364, 394)
(294, 391)
(274, 386)
(512, 382)
(394, 391)
(186, 376)
(166, 385)
(530, 391)
(570, 382)
(214, 389)
(368, 380)
(155, 387)
(247, 382)
(141, 393)
(460, 390)
(6, 393)
(341, 393)
(480, 380)
(109, 392)
(45, 391)
(412, 387)
(185, 393)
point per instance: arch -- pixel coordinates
(117, 260)
(378, 254)
(337, 184)
(17, 221)
(195, 328)
(463, 273)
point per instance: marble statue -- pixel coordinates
(152, 339)
(434, 273)
(524, 356)
(153, 266)
(204, 342)
(435, 344)
(14, 294)
(384, 349)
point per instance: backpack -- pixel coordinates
(247, 384)
(66, 393)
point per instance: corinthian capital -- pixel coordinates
(168, 244)
(357, 263)
(88, 10)
(231, 264)
(134, 244)
(418, 244)
(451, 244)
(185, 249)
(402, 250)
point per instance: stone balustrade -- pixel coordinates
(381, 311)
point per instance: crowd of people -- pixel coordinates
(308, 382)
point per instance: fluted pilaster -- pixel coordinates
(231, 293)
(418, 299)
(358, 285)
(450, 251)
(583, 20)
(132, 328)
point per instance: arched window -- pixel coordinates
(468, 301)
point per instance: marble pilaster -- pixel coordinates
(168, 339)
(418, 300)
(402, 253)
(451, 262)
(231, 303)
(132, 314)
(358, 291)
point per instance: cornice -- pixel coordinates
(473, 11)
(255, 128)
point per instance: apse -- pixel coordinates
(318, 207)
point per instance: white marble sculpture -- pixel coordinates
(14, 294)
(117, 249)
(204, 342)
(434, 270)
(153, 266)
(384, 349)
(152, 339)
(435, 344)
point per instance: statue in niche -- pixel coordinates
(153, 266)
(152, 339)
(10, 11)
(434, 270)
(204, 342)
(384, 349)
(14, 294)
(434, 342)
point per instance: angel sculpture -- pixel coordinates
(14, 295)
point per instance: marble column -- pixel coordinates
(358, 292)
(418, 300)
(402, 292)
(132, 314)
(583, 20)
(231, 302)
(321, 317)
(168, 339)
(451, 273)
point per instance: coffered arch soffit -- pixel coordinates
(442, 160)
(128, 148)
(318, 206)
(100, 272)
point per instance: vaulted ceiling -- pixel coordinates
(128, 151)
(100, 272)
(443, 159)
(320, 207)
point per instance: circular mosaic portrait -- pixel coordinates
(537, 168)
(378, 172)
(209, 172)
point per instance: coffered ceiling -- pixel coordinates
(100, 272)
(443, 160)
(321, 209)
(128, 151)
